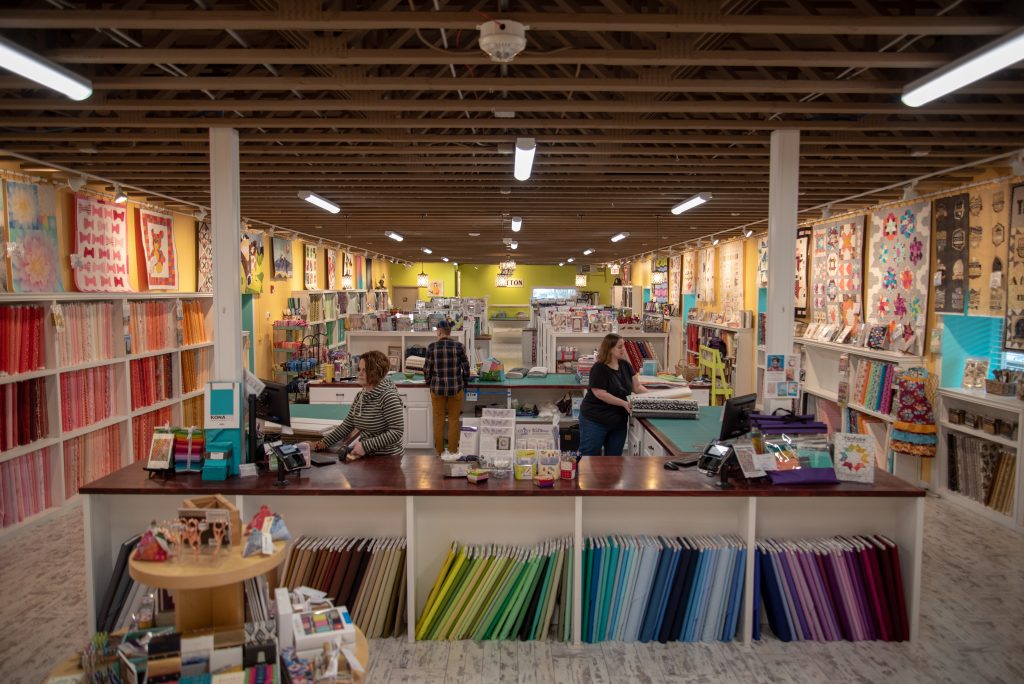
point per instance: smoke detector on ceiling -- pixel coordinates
(502, 40)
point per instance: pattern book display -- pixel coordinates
(151, 380)
(982, 470)
(21, 328)
(193, 323)
(24, 487)
(151, 325)
(90, 457)
(487, 592)
(142, 430)
(366, 575)
(195, 368)
(87, 397)
(831, 589)
(85, 332)
(662, 588)
(23, 415)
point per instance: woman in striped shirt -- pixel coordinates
(376, 418)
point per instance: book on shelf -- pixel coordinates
(22, 328)
(23, 413)
(25, 487)
(91, 456)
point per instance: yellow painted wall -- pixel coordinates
(478, 280)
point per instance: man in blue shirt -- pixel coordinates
(446, 370)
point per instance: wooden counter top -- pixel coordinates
(421, 476)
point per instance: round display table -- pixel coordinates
(209, 591)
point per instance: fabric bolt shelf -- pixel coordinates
(365, 574)
(22, 328)
(193, 412)
(193, 322)
(196, 365)
(143, 427)
(85, 332)
(151, 380)
(87, 397)
(91, 456)
(23, 413)
(662, 588)
(489, 592)
(982, 470)
(831, 589)
(152, 325)
(25, 487)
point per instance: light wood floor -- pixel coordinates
(972, 625)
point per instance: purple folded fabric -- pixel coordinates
(803, 476)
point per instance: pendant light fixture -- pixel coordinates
(422, 280)
(581, 280)
(501, 280)
(508, 265)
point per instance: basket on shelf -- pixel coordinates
(1001, 389)
(687, 371)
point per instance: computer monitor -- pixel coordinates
(736, 416)
(272, 404)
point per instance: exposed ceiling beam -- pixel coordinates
(700, 20)
(341, 55)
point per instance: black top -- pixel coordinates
(617, 383)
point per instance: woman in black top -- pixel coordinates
(604, 413)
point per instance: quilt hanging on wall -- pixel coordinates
(32, 227)
(689, 273)
(986, 291)
(100, 257)
(157, 235)
(3, 253)
(251, 252)
(348, 266)
(309, 268)
(800, 293)
(836, 263)
(898, 258)
(359, 261)
(706, 278)
(204, 257)
(731, 256)
(659, 291)
(952, 253)
(331, 259)
(762, 261)
(675, 264)
(282, 255)
(1015, 287)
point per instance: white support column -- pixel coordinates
(225, 202)
(783, 190)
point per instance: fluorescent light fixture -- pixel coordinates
(514, 244)
(444, 259)
(517, 224)
(694, 201)
(120, 196)
(974, 66)
(714, 241)
(588, 251)
(318, 201)
(426, 250)
(570, 260)
(26, 63)
(526, 148)
(393, 235)
(581, 280)
(619, 237)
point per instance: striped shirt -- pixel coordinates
(380, 418)
(446, 368)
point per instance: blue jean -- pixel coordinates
(595, 436)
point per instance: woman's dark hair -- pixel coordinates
(377, 366)
(604, 354)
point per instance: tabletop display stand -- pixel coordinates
(208, 592)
